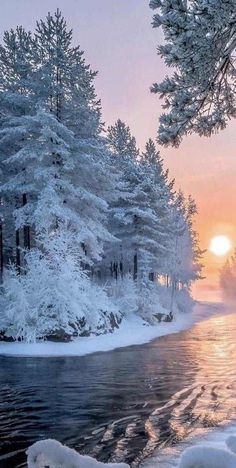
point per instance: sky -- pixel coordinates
(120, 43)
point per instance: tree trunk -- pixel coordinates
(173, 294)
(135, 275)
(151, 276)
(26, 229)
(18, 250)
(135, 266)
(116, 270)
(1, 252)
(121, 270)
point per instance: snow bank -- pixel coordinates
(132, 331)
(212, 449)
(207, 457)
(210, 457)
(51, 454)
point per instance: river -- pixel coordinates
(121, 405)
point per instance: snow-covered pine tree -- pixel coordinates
(15, 72)
(130, 213)
(119, 257)
(200, 44)
(59, 179)
(160, 193)
(183, 260)
(50, 150)
(140, 218)
(197, 252)
(152, 156)
(64, 85)
(60, 159)
(228, 279)
(62, 79)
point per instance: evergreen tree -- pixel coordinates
(140, 218)
(63, 84)
(183, 261)
(62, 80)
(73, 201)
(127, 211)
(200, 42)
(56, 157)
(228, 279)
(15, 74)
(60, 83)
(159, 193)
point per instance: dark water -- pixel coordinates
(121, 405)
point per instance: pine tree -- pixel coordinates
(200, 43)
(62, 80)
(73, 201)
(183, 261)
(59, 82)
(125, 210)
(228, 279)
(159, 193)
(140, 218)
(64, 85)
(57, 157)
(16, 67)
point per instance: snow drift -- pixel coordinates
(207, 457)
(51, 454)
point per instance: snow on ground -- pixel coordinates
(133, 331)
(216, 449)
(209, 450)
(52, 454)
(207, 457)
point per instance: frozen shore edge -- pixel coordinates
(213, 439)
(133, 331)
(214, 449)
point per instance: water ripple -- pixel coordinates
(121, 405)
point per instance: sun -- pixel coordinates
(220, 245)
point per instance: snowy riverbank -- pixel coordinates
(214, 449)
(133, 331)
(215, 439)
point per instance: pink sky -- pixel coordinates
(119, 42)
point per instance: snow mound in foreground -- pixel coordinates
(52, 454)
(208, 457)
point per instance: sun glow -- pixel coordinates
(220, 245)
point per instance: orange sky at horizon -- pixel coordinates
(206, 168)
(120, 43)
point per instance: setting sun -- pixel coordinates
(220, 245)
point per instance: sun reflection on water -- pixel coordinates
(210, 347)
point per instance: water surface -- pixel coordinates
(121, 405)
